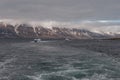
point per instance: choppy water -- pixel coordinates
(54, 60)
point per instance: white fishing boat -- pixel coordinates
(67, 39)
(37, 40)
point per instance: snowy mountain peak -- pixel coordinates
(50, 29)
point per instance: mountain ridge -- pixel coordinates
(53, 31)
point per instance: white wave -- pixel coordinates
(100, 77)
(35, 77)
(2, 64)
(62, 73)
(94, 77)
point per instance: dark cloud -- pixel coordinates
(61, 10)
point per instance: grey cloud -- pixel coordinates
(63, 10)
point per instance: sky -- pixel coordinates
(91, 14)
(60, 10)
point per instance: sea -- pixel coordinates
(22, 59)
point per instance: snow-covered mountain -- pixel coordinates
(53, 30)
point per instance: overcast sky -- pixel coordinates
(60, 10)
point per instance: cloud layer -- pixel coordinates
(60, 10)
(89, 14)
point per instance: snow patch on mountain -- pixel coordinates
(84, 29)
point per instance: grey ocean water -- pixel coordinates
(56, 60)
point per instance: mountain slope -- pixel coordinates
(26, 30)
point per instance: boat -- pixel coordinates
(37, 40)
(67, 39)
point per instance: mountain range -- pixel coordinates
(27, 30)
